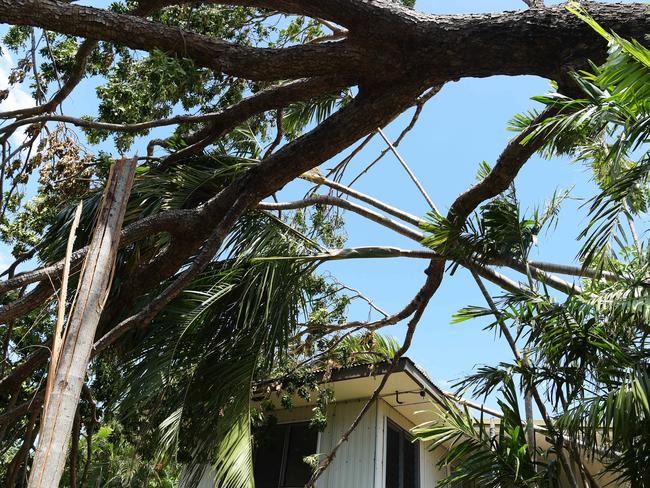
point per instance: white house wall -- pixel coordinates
(429, 472)
(359, 462)
(354, 465)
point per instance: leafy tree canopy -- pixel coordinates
(216, 293)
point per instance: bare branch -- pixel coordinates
(364, 252)
(315, 177)
(574, 270)
(553, 281)
(485, 271)
(435, 273)
(419, 105)
(414, 178)
(339, 202)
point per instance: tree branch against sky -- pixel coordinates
(234, 102)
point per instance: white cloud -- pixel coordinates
(18, 98)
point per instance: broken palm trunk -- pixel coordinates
(71, 360)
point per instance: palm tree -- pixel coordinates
(585, 356)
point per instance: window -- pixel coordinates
(278, 461)
(401, 458)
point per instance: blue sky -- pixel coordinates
(461, 126)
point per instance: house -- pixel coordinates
(378, 454)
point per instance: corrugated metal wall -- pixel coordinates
(359, 462)
(354, 465)
(429, 472)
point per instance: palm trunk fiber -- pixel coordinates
(72, 362)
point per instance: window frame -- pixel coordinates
(404, 436)
(286, 427)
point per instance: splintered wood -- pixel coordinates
(72, 346)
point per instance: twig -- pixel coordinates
(337, 171)
(419, 106)
(435, 272)
(363, 297)
(521, 360)
(408, 171)
(279, 116)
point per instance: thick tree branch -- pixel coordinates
(542, 41)
(169, 221)
(217, 54)
(29, 301)
(219, 122)
(274, 98)
(385, 33)
(349, 13)
(511, 160)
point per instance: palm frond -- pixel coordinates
(488, 455)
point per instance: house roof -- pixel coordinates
(409, 390)
(405, 365)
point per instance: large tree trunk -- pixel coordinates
(70, 371)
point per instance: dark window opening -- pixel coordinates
(402, 461)
(278, 459)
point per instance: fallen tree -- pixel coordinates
(370, 60)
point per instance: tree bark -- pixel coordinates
(385, 40)
(392, 53)
(94, 283)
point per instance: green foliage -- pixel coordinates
(117, 463)
(365, 348)
(492, 459)
(189, 375)
(619, 421)
(497, 232)
(586, 354)
(608, 129)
